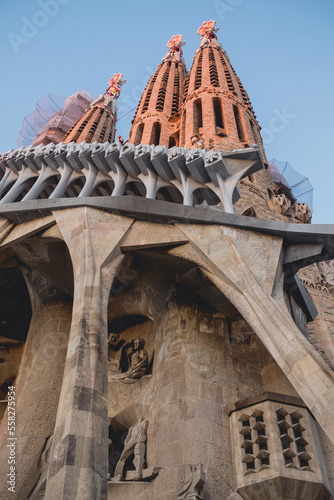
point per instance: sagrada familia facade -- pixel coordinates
(166, 315)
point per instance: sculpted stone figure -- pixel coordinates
(194, 480)
(134, 445)
(136, 358)
(197, 140)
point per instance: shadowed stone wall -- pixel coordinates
(38, 383)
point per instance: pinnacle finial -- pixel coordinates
(108, 99)
(176, 42)
(175, 50)
(115, 83)
(208, 30)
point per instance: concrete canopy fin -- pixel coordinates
(25, 230)
(147, 234)
(302, 255)
(300, 362)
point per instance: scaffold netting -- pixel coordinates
(53, 112)
(300, 186)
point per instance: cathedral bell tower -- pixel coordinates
(98, 122)
(217, 113)
(157, 119)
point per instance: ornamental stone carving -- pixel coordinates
(193, 483)
(276, 448)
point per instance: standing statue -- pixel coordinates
(138, 358)
(193, 483)
(134, 445)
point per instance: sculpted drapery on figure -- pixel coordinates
(193, 483)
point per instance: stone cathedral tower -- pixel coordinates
(166, 313)
(98, 122)
(157, 119)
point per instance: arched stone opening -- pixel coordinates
(135, 188)
(170, 193)
(205, 196)
(104, 189)
(155, 133)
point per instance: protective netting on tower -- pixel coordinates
(53, 112)
(300, 186)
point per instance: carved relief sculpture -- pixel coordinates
(134, 359)
(194, 480)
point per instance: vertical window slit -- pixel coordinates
(139, 134)
(218, 112)
(197, 116)
(228, 76)
(155, 134)
(198, 78)
(162, 91)
(213, 69)
(176, 93)
(239, 124)
(149, 91)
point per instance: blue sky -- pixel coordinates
(282, 51)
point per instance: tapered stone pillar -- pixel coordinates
(79, 454)
(226, 256)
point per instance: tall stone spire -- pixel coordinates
(217, 113)
(98, 122)
(157, 119)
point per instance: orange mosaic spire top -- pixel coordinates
(207, 30)
(175, 45)
(107, 100)
(98, 122)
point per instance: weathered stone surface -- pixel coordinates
(209, 321)
(303, 366)
(93, 239)
(23, 231)
(37, 386)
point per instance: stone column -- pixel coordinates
(79, 454)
